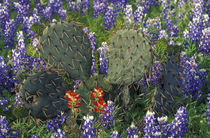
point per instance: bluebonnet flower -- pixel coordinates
(119, 5)
(131, 131)
(150, 124)
(74, 6)
(107, 118)
(162, 129)
(77, 82)
(103, 57)
(39, 6)
(181, 7)
(177, 128)
(24, 1)
(109, 18)
(114, 135)
(21, 60)
(167, 13)
(204, 45)
(91, 37)
(4, 14)
(172, 30)
(14, 134)
(139, 14)
(99, 6)
(86, 30)
(6, 81)
(62, 14)
(193, 77)
(205, 20)
(35, 43)
(18, 100)
(163, 34)
(19, 53)
(89, 131)
(146, 4)
(9, 32)
(179, 124)
(29, 21)
(195, 29)
(59, 134)
(197, 22)
(34, 136)
(153, 27)
(47, 13)
(54, 6)
(4, 129)
(129, 19)
(3, 103)
(156, 70)
(23, 10)
(56, 123)
(207, 114)
(85, 6)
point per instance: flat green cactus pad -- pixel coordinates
(130, 57)
(66, 47)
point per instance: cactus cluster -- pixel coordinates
(67, 49)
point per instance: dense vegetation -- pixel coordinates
(169, 100)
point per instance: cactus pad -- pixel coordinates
(165, 94)
(66, 47)
(43, 94)
(130, 57)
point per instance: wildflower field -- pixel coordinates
(104, 69)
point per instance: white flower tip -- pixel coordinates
(54, 20)
(149, 113)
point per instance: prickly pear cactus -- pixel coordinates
(163, 98)
(130, 57)
(66, 47)
(43, 94)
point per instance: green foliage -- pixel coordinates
(38, 28)
(197, 121)
(204, 62)
(160, 49)
(27, 128)
(177, 48)
(191, 48)
(31, 51)
(19, 112)
(9, 114)
(186, 10)
(154, 11)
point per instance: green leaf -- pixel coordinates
(38, 28)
